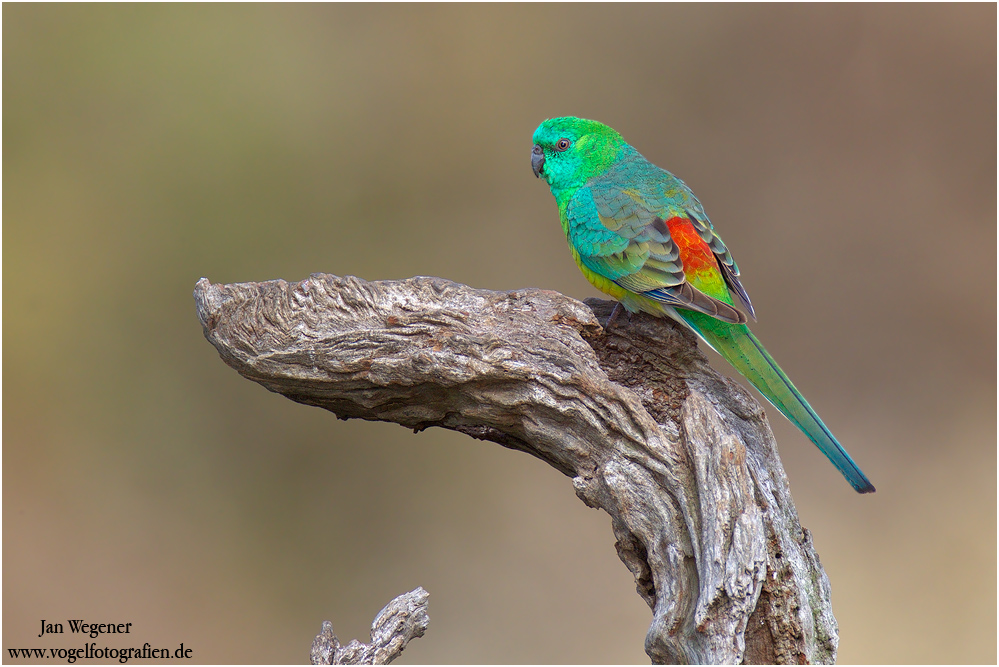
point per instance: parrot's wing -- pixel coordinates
(730, 270)
(620, 237)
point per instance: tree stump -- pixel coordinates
(681, 458)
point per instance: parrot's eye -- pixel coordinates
(562, 144)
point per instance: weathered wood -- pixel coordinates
(402, 620)
(681, 458)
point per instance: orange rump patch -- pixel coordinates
(699, 264)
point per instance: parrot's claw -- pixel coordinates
(613, 316)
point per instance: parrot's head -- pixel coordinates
(568, 151)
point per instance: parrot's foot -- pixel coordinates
(614, 315)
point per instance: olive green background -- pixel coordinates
(846, 153)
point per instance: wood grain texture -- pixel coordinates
(681, 458)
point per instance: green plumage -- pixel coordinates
(639, 234)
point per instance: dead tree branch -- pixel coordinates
(402, 620)
(682, 459)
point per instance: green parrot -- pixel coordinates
(639, 234)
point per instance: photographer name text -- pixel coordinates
(78, 626)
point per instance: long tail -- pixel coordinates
(740, 348)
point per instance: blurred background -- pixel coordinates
(846, 153)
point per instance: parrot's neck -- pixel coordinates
(562, 197)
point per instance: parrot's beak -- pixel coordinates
(537, 160)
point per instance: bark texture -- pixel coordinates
(682, 459)
(403, 619)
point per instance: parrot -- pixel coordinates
(638, 233)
